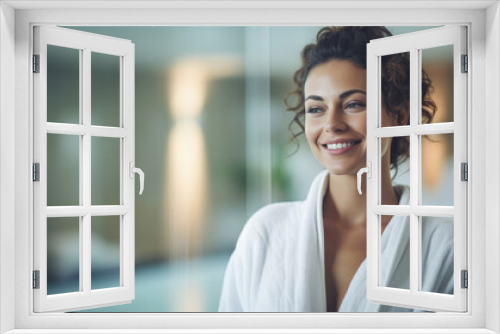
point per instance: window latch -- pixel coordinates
(139, 171)
(368, 171)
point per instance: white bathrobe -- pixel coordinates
(278, 263)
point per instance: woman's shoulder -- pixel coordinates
(274, 217)
(438, 227)
(270, 221)
(438, 235)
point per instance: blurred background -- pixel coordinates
(211, 138)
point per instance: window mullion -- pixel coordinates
(414, 167)
(85, 162)
(67, 129)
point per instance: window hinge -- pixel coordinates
(36, 63)
(36, 172)
(465, 64)
(465, 171)
(465, 279)
(36, 279)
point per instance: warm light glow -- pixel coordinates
(189, 80)
(188, 89)
(186, 164)
(436, 153)
(186, 188)
(189, 297)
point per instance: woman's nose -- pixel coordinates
(335, 122)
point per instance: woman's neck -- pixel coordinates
(342, 202)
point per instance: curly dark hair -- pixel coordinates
(349, 43)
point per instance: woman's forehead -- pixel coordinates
(335, 76)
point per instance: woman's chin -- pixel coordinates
(341, 171)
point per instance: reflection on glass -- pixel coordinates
(63, 255)
(63, 85)
(105, 89)
(105, 252)
(437, 254)
(437, 170)
(105, 171)
(63, 170)
(438, 64)
(398, 162)
(395, 94)
(395, 260)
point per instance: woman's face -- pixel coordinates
(335, 119)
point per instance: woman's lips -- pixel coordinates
(343, 150)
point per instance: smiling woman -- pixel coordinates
(309, 256)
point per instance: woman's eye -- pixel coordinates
(354, 105)
(313, 110)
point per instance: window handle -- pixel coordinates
(368, 171)
(141, 175)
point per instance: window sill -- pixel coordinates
(247, 331)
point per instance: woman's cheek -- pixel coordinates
(310, 131)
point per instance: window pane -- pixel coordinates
(105, 252)
(394, 168)
(63, 85)
(395, 252)
(63, 170)
(63, 255)
(437, 255)
(105, 89)
(437, 63)
(437, 170)
(395, 93)
(105, 171)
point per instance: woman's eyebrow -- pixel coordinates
(314, 97)
(349, 92)
(341, 96)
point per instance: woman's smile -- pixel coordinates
(341, 147)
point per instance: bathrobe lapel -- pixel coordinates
(394, 247)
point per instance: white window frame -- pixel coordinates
(413, 43)
(85, 44)
(483, 21)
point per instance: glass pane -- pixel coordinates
(105, 171)
(105, 89)
(437, 170)
(105, 252)
(394, 168)
(395, 252)
(63, 170)
(63, 255)
(437, 254)
(395, 99)
(437, 84)
(63, 85)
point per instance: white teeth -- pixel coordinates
(339, 146)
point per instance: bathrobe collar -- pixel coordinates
(396, 234)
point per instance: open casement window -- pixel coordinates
(83, 165)
(435, 253)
